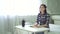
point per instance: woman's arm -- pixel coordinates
(47, 21)
(37, 21)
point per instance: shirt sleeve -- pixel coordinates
(38, 19)
(47, 19)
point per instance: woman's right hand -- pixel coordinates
(35, 24)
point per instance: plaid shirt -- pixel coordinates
(43, 19)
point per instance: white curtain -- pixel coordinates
(7, 24)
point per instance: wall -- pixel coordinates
(53, 6)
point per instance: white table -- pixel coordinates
(31, 30)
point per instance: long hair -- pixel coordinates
(45, 11)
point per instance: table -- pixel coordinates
(30, 30)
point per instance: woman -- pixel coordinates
(42, 18)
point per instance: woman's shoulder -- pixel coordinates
(38, 14)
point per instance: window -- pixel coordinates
(19, 7)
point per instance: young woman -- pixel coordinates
(42, 18)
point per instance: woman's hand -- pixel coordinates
(44, 25)
(36, 23)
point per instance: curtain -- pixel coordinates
(11, 10)
(8, 23)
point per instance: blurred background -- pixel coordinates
(13, 11)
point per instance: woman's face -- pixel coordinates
(42, 9)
